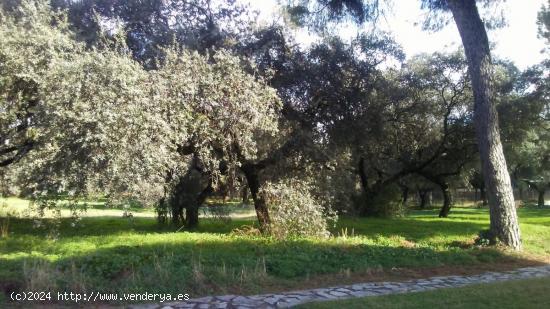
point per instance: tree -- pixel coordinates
(151, 25)
(149, 28)
(98, 107)
(80, 108)
(219, 113)
(444, 82)
(525, 114)
(543, 22)
(504, 223)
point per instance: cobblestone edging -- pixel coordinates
(289, 299)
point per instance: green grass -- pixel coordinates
(114, 254)
(529, 293)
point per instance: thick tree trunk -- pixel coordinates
(260, 204)
(192, 210)
(369, 192)
(245, 195)
(541, 197)
(177, 205)
(177, 215)
(405, 194)
(191, 216)
(504, 222)
(447, 200)
(423, 195)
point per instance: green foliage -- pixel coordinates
(87, 109)
(543, 22)
(319, 14)
(99, 123)
(485, 238)
(149, 27)
(294, 211)
(387, 202)
(214, 105)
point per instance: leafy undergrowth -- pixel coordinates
(529, 293)
(110, 254)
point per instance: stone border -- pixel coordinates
(290, 299)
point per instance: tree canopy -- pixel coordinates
(171, 101)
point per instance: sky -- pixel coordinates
(517, 41)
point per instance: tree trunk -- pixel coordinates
(192, 210)
(405, 193)
(503, 216)
(423, 194)
(369, 193)
(176, 203)
(177, 215)
(541, 197)
(483, 196)
(260, 204)
(191, 216)
(245, 195)
(447, 200)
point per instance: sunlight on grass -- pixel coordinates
(137, 254)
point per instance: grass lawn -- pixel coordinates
(530, 293)
(114, 254)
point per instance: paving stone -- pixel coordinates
(326, 295)
(290, 299)
(363, 293)
(225, 297)
(239, 299)
(271, 300)
(338, 294)
(358, 287)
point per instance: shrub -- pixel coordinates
(385, 203)
(485, 238)
(294, 211)
(388, 202)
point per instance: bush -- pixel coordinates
(385, 203)
(294, 211)
(485, 238)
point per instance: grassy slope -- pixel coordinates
(116, 254)
(531, 293)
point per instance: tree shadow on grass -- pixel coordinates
(102, 226)
(415, 230)
(199, 266)
(408, 227)
(116, 254)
